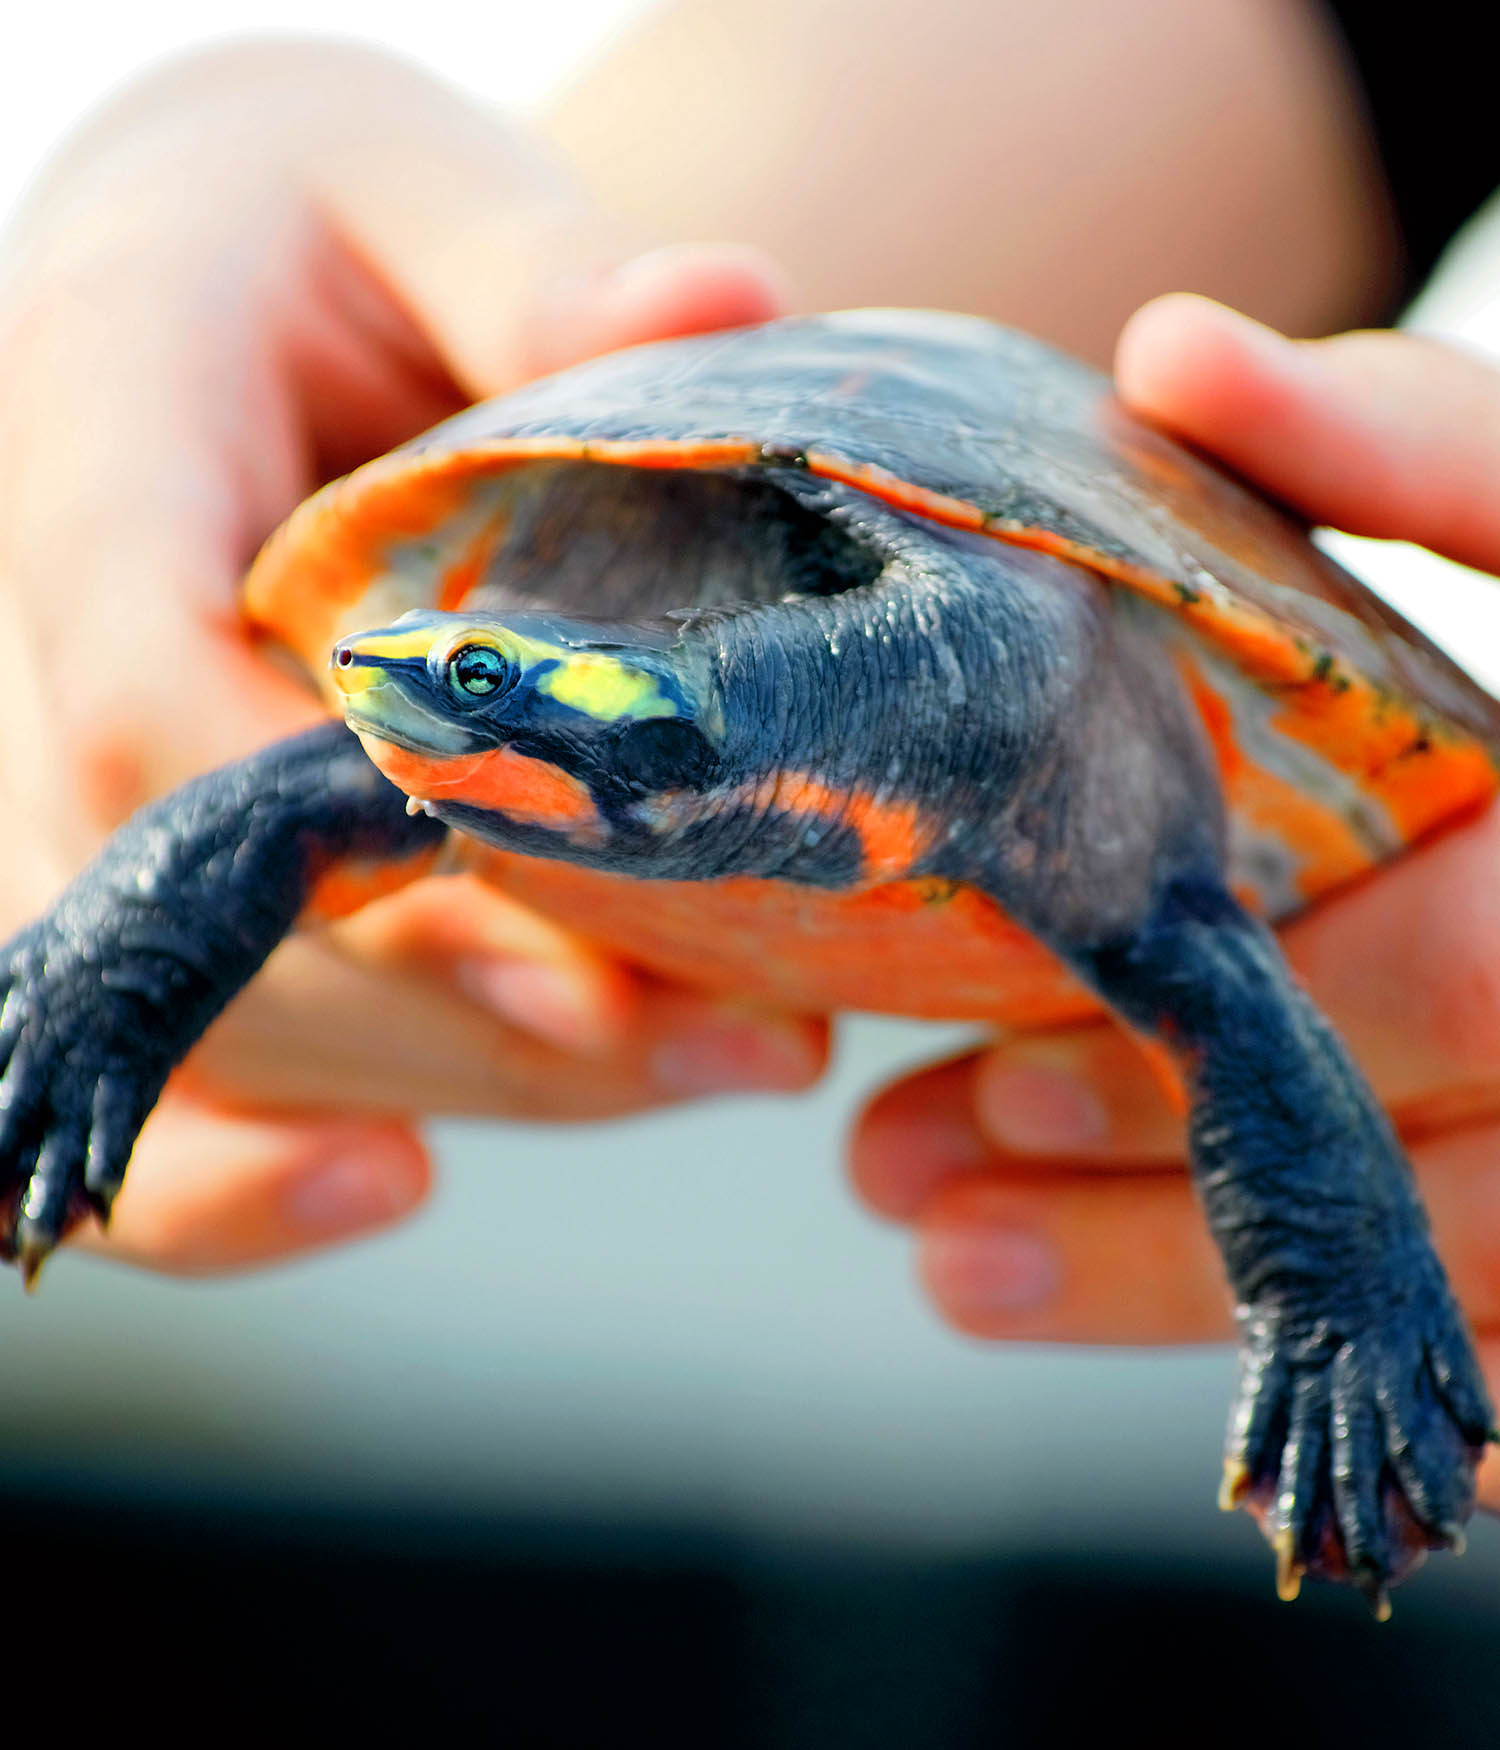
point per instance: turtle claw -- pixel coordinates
(78, 1072)
(1289, 1570)
(1234, 1485)
(1357, 1454)
(30, 1258)
(101, 998)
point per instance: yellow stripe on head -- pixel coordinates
(356, 661)
(594, 683)
(605, 688)
(396, 645)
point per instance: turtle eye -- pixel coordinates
(479, 671)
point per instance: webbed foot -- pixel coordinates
(1356, 1450)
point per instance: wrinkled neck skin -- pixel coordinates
(856, 738)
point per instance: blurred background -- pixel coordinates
(646, 1429)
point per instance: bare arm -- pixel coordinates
(1053, 166)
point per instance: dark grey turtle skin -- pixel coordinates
(827, 616)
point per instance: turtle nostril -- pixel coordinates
(344, 657)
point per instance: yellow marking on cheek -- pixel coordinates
(358, 679)
(605, 689)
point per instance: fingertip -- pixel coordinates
(688, 288)
(1376, 432)
(527, 971)
(210, 1193)
(1155, 351)
(703, 1046)
(989, 1272)
(1188, 361)
(1094, 1095)
(558, 1006)
(1124, 1258)
(913, 1137)
(680, 289)
(354, 1184)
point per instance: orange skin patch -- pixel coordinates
(349, 887)
(527, 790)
(1421, 772)
(891, 834)
(1329, 849)
(918, 947)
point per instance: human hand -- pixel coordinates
(1043, 1177)
(250, 272)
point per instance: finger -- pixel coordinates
(493, 250)
(1126, 1258)
(1386, 434)
(458, 933)
(1081, 1099)
(319, 1031)
(122, 533)
(1404, 967)
(915, 1136)
(499, 259)
(209, 1192)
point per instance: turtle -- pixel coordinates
(879, 660)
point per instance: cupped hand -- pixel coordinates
(1044, 1177)
(250, 272)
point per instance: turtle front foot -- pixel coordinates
(1357, 1451)
(81, 1065)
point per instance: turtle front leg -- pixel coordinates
(1361, 1413)
(104, 995)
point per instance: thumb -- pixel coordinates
(1377, 433)
(140, 477)
(496, 254)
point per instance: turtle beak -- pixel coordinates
(364, 663)
(383, 678)
(353, 677)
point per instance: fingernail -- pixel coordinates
(1037, 1109)
(730, 1056)
(351, 1192)
(544, 1001)
(979, 1270)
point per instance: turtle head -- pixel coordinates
(533, 731)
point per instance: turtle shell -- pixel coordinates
(1342, 733)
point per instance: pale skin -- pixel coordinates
(192, 336)
(193, 333)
